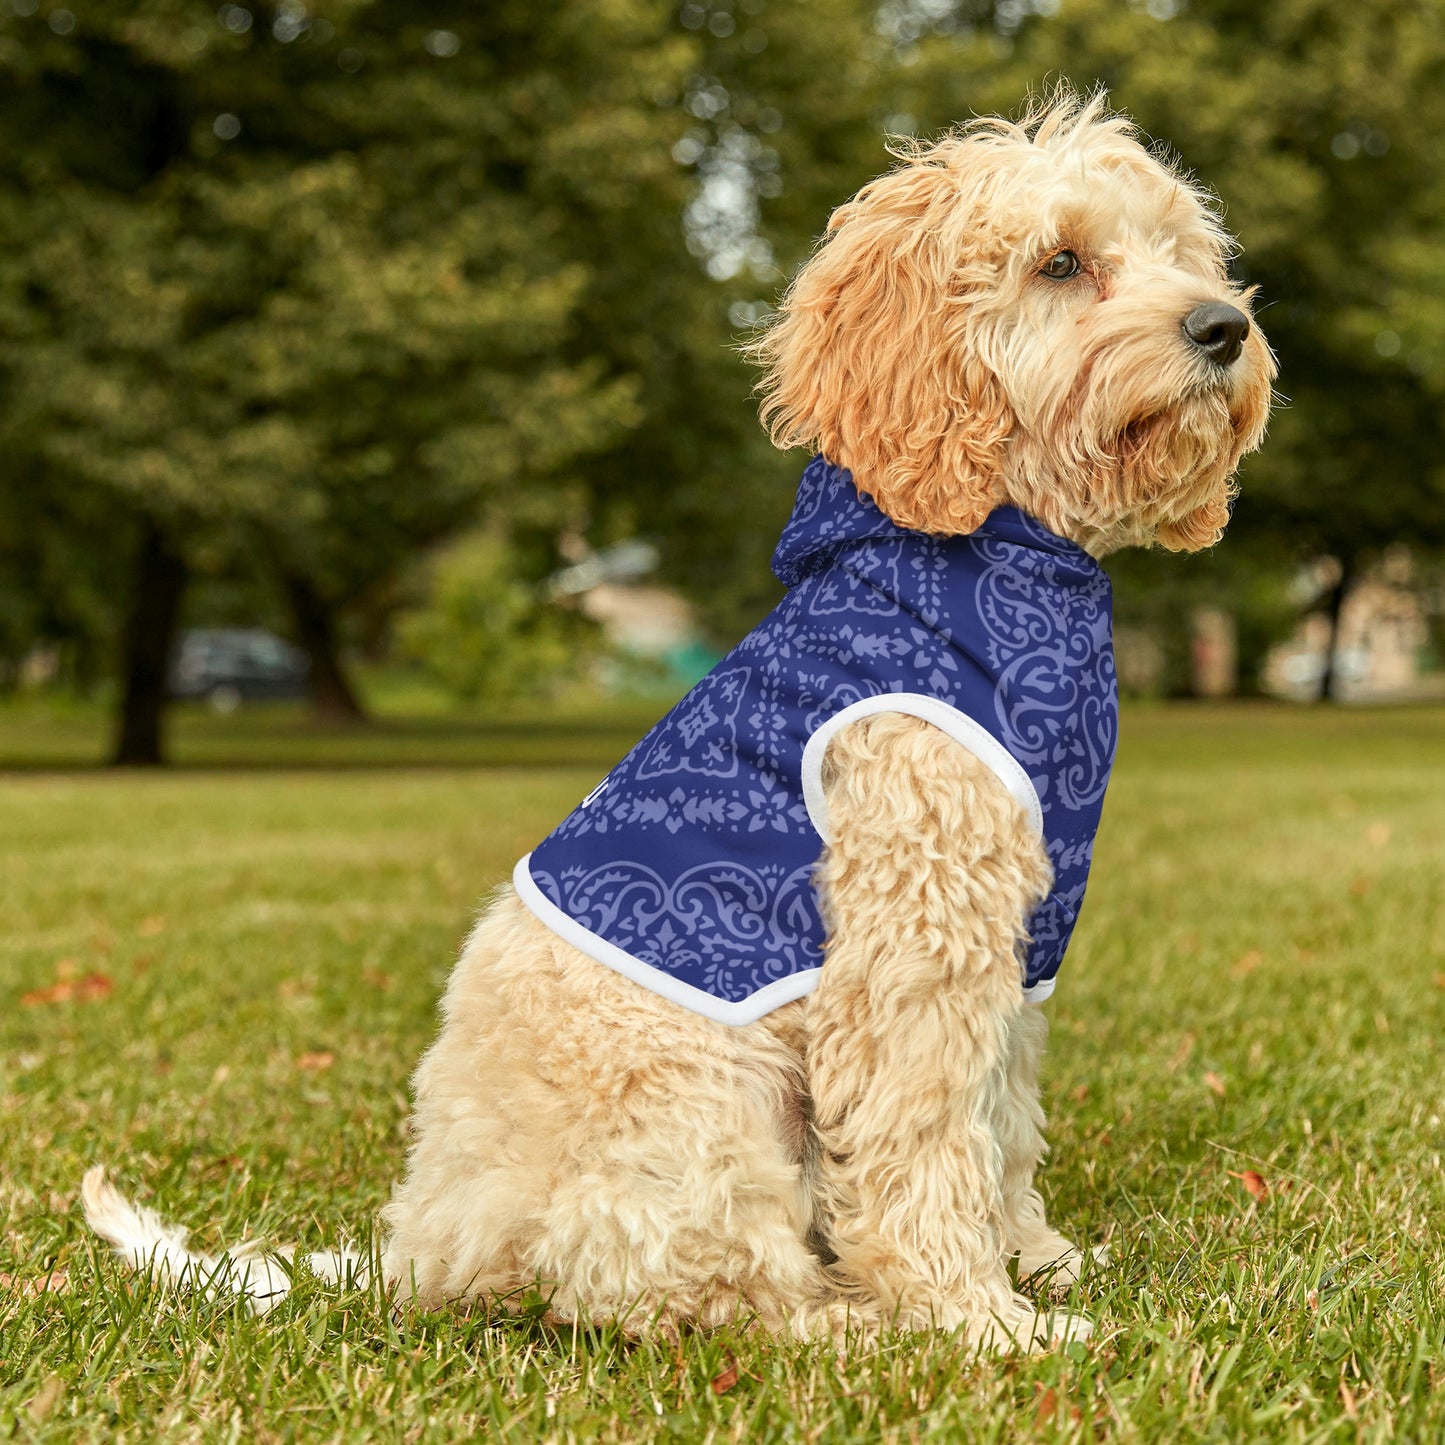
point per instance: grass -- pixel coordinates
(409, 729)
(230, 971)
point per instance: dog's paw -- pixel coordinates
(1057, 1267)
(1023, 1326)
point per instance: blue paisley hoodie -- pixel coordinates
(689, 868)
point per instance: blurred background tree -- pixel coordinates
(484, 632)
(309, 290)
(292, 294)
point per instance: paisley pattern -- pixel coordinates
(1049, 647)
(703, 737)
(693, 925)
(694, 856)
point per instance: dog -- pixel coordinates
(755, 1035)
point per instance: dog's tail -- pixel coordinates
(147, 1243)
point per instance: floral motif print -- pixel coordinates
(703, 735)
(694, 856)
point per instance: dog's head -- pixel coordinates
(1035, 313)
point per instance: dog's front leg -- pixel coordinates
(927, 882)
(1043, 1253)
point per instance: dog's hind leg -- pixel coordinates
(927, 882)
(578, 1135)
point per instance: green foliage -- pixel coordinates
(1259, 913)
(315, 287)
(311, 285)
(486, 634)
(779, 119)
(318, 285)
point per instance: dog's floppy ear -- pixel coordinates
(872, 357)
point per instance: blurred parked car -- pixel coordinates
(230, 665)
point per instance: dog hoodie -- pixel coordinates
(689, 868)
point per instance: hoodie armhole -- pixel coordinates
(946, 718)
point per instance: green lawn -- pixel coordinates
(216, 980)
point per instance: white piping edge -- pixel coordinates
(745, 1011)
(947, 718)
(1040, 991)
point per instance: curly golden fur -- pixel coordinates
(865, 1156)
(650, 1165)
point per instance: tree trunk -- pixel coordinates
(333, 699)
(150, 630)
(1329, 677)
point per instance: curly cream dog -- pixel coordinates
(1032, 315)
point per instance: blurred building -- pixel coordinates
(1381, 651)
(652, 629)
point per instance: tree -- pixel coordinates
(777, 118)
(321, 287)
(305, 286)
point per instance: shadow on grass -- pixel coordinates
(280, 737)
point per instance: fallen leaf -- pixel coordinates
(320, 1059)
(1254, 1182)
(56, 1282)
(1248, 963)
(724, 1382)
(1359, 886)
(1181, 1054)
(1440, 980)
(1214, 1083)
(83, 990)
(377, 978)
(1080, 1094)
(151, 927)
(1046, 1408)
(1377, 834)
(56, 993)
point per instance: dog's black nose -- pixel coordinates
(1218, 331)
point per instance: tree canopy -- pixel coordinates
(301, 290)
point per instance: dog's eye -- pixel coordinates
(1060, 266)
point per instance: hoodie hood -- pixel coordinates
(831, 515)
